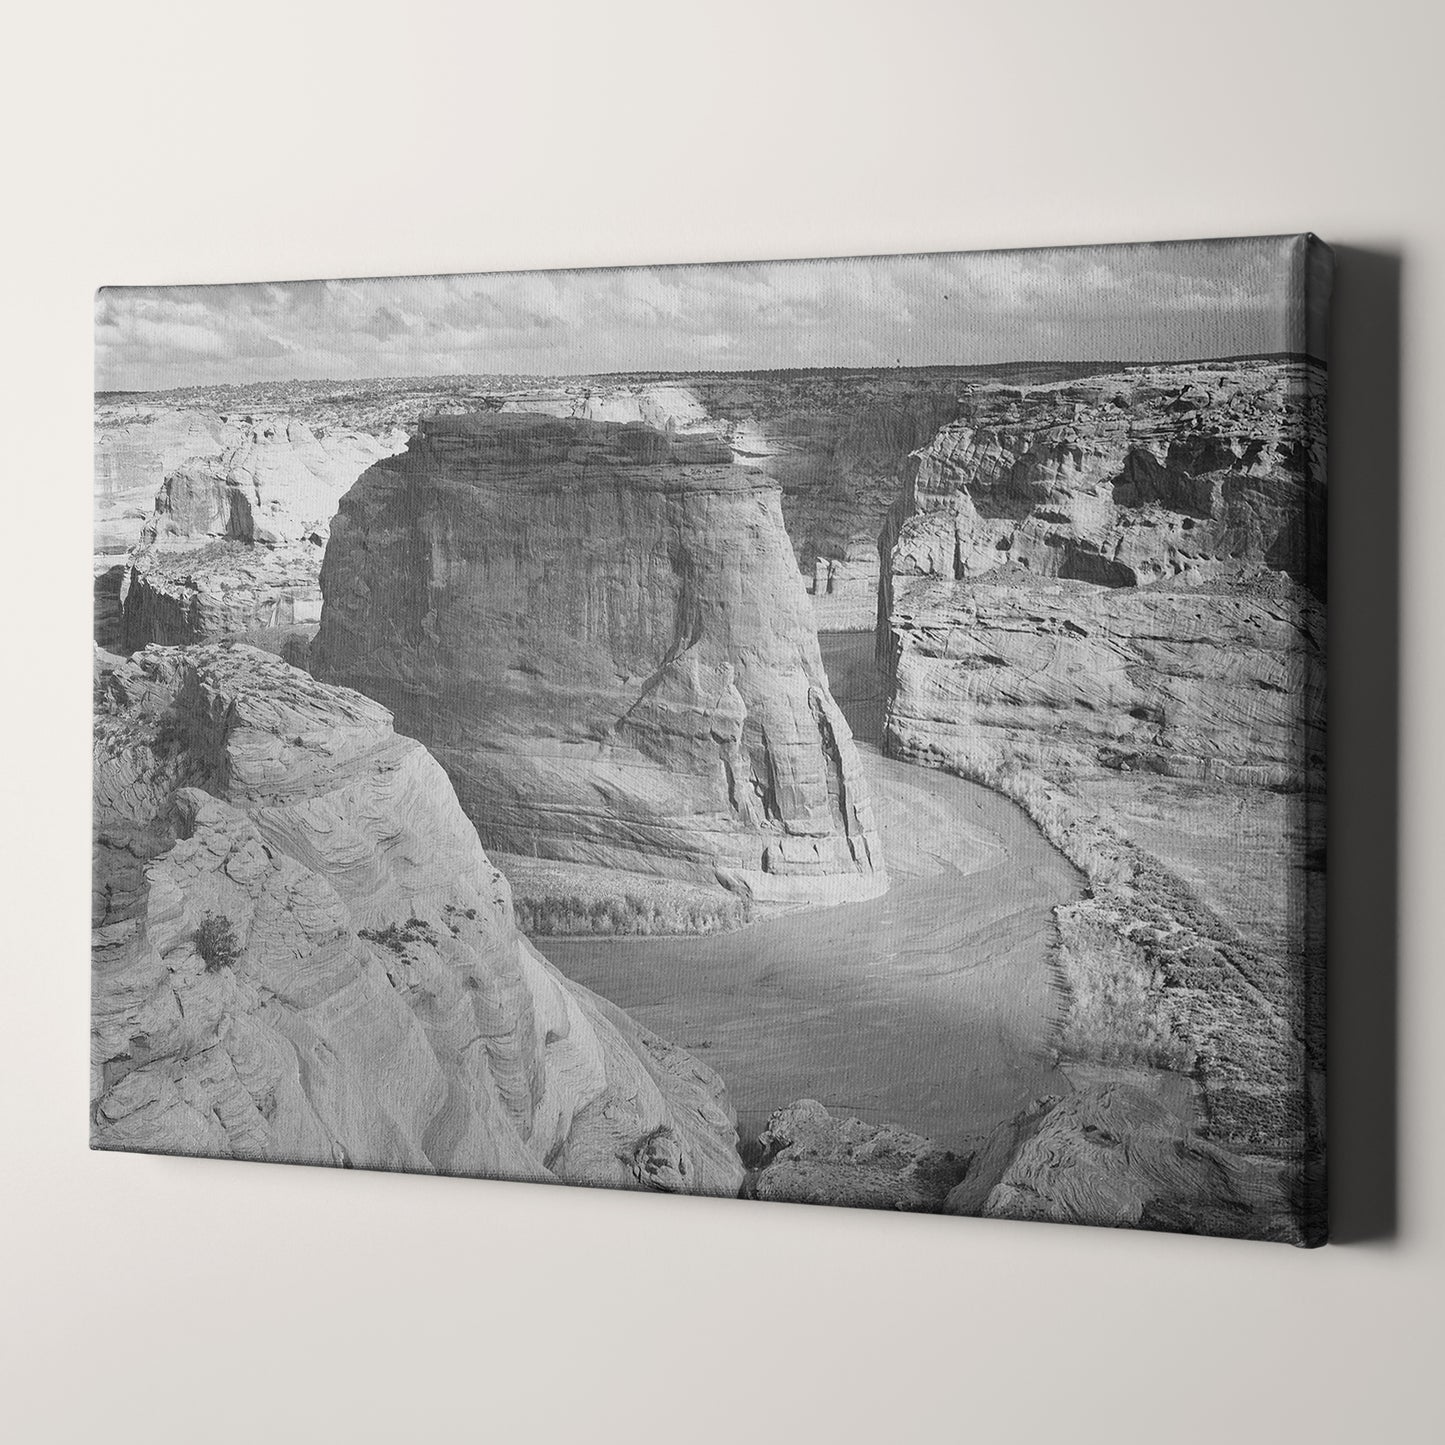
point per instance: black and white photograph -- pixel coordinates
(722, 722)
(843, 732)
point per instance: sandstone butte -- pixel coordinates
(223, 510)
(1123, 570)
(600, 631)
(302, 953)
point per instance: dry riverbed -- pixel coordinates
(934, 1006)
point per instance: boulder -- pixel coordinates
(1115, 1155)
(811, 1157)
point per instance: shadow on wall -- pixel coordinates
(1364, 526)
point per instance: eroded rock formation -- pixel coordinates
(1105, 597)
(1111, 1154)
(664, 406)
(269, 596)
(302, 953)
(811, 1157)
(1114, 1155)
(601, 632)
(233, 546)
(136, 446)
(281, 483)
(1129, 566)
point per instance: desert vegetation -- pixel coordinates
(217, 943)
(1156, 978)
(561, 914)
(396, 936)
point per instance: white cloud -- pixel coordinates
(1121, 303)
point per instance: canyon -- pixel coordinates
(838, 443)
(941, 750)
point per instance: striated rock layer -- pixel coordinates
(601, 632)
(136, 446)
(233, 547)
(1130, 566)
(301, 953)
(1106, 597)
(280, 484)
(268, 596)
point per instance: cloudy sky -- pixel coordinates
(1128, 303)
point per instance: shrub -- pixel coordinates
(575, 914)
(217, 943)
(1118, 1011)
(396, 936)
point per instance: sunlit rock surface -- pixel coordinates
(663, 406)
(601, 632)
(233, 546)
(1129, 565)
(136, 445)
(280, 484)
(301, 953)
(1105, 596)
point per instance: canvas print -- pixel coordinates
(845, 732)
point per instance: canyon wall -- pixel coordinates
(601, 632)
(837, 443)
(1128, 568)
(136, 445)
(664, 406)
(301, 953)
(1105, 596)
(233, 544)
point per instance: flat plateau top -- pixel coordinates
(552, 450)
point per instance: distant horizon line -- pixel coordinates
(943, 366)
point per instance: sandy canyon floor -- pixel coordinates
(934, 1006)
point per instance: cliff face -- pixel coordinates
(135, 448)
(301, 953)
(1105, 597)
(601, 633)
(663, 406)
(837, 444)
(1128, 567)
(281, 483)
(233, 546)
(269, 596)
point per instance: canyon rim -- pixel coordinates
(842, 732)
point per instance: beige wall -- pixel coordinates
(154, 1299)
